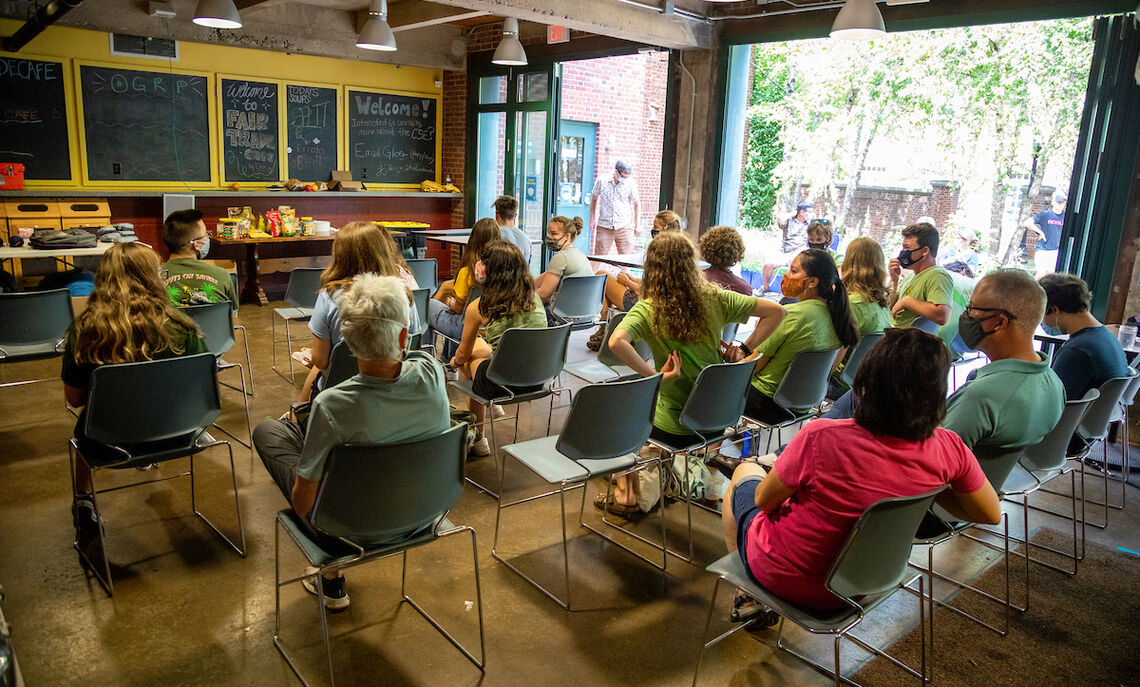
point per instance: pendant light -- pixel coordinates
(510, 52)
(859, 20)
(376, 34)
(217, 14)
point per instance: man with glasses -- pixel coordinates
(1043, 234)
(1015, 400)
(929, 292)
(615, 213)
(189, 281)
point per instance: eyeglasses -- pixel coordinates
(825, 222)
(999, 311)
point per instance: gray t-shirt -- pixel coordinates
(569, 262)
(519, 238)
(373, 410)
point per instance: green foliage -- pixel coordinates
(764, 147)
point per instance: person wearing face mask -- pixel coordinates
(567, 261)
(929, 292)
(615, 212)
(1092, 355)
(820, 236)
(821, 319)
(188, 280)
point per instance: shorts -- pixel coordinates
(490, 390)
(628, 300)
(744, 510)
(761, 407)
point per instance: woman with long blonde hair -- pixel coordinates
(128, 318)
(864, 273)
(359, 248)
(680, 316)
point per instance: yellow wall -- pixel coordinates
(83, 46)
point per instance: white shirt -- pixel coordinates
(615, 202)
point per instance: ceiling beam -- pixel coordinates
(605, 17)
(415, 14)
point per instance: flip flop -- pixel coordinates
(605, 502)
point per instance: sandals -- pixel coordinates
(595, 341)
(606, 502)
(746, 608)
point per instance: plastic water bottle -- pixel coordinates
(1127, 336)
(746, 446)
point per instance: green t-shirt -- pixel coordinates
(722, 307)
(193, 282)
(963, 289)
(933, 285)
(1006, 404)
(530, 319)
(807, 327)
(870, 318)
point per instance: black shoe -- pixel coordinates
(726, 465)
(88, 524)
(335, 593)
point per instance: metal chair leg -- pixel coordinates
(239, 548)
(248, 361)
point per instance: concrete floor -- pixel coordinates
(188, 611)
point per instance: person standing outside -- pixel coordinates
(929, 292)
(615, 213)
(507, 217)
(1046, 227)
(793, 239)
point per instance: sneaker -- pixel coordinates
(88, 524)
(480, 448)
(497, 411)
(336, 596)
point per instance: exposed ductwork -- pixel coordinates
(44, 17)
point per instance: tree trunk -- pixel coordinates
(862, 149)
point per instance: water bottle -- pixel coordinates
(1127, 336)
(746, 446)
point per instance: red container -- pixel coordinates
(11, 176)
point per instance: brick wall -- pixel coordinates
(624, 95)
(877, 211)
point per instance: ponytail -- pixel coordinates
(819, 264)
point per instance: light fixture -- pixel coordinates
(376, 34)
(510, 52)
(217, 14)
(859, 20)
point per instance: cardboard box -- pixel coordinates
(341, 180)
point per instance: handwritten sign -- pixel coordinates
(311, 120)
(249, 131)
(145, 126)
(391, 138)
(33, 118)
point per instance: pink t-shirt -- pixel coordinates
(837, 470)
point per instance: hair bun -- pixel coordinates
(578, 223)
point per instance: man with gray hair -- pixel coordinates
(1015, 400)
(397, 398)
(615, 213)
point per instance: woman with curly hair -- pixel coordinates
(359, 248)
(623, 289)
(128, 319)
(680, 316)
(508, 301)
(820, 320)
(721, 248)
(865, 277)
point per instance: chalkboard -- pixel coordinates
(145, 126)
(311, 117)
(249, 131)
(391, 138)
(33, 118)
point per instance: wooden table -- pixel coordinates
(248, 253)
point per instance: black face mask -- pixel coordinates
(906, 257)
(971, 330)
(817, 246)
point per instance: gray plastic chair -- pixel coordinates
(579, 300)
(607, 367)
(939, 526)
(925, 324)
(216, 320)
(1042, 463)
(415, 339)
(524, 358)
(379, 501)
(581, 452)
(802, 390)
(33, 326)
(1095, 427)
(342, 365)
(424, 270)
(1122, 417)
(151, 412)
(857, 354)
(870, 567)
(301, 295)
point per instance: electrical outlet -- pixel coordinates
(116, 169)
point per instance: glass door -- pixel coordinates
(576, 145)
(513, 113)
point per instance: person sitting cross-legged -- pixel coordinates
(397, 398)
(790, 525)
